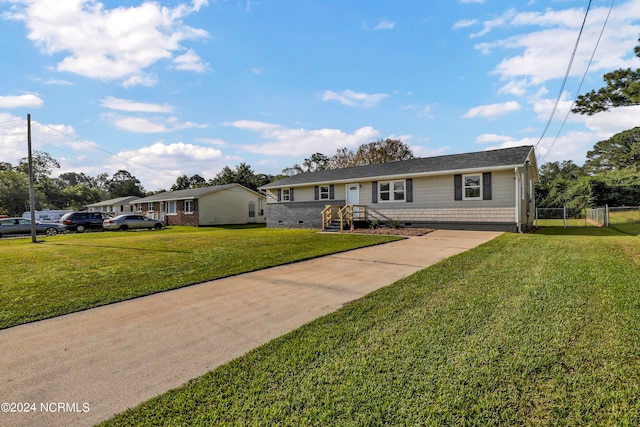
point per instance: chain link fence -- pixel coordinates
(600, 216)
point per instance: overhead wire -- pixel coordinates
(97, 147)
(566, 76)
(584, 76)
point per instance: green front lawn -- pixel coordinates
(534, 329)
(73, 272)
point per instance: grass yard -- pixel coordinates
(533, 329)
(72, 272)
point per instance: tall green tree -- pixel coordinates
(316, 162)
(14, 192)
(242, 174)
(43, 165)
(621, 151)
(78, 196)
(622, 89)
(184, 182)
(556, 180)
(380, 151)
(123, 184)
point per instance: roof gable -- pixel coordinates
(117, 201)
(505, 157)
(192, 193)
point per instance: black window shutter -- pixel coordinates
(291, 194)
(279, 195)
(331, 194)
(409, 191)
(457, 182)
(486, 186)
(316, 193)
(374, 192)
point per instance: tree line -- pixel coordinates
(74, 191)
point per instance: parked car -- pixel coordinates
(81, 221)
(15, 226)
(131, 222)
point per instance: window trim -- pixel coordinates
(172, 204)
(192, 206)
(324, 190)
(392, 191)
(286, 195)
(465, 186)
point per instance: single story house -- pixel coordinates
(486, 190)
(117, 206)
(213, 205)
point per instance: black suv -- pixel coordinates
(81, 221)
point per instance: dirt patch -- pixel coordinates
(408, 232)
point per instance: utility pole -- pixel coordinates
(32, 192)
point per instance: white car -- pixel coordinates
(131, 222)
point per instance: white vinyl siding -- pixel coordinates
(228, 207)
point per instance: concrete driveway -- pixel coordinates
(82, 368)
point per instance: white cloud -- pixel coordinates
(147, 125)
(384, 25)
(492, 138)
(148, 80)
(21, 101)
(492, 110)
(352, 98)
(110, 44)
(422, 110)
(176, 159)
(190, 61)
(548, 38)
(211, 141)
(464, 23)
(281, 141)
(128, 105)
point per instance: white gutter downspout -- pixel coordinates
(518, 227)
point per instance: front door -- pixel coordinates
(353, 194)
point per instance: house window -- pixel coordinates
(188, 206)
(472, 187)
(391, 191)
(139, 207)
(150, 207)
(324, 192)
(171, 208)
(286, 195)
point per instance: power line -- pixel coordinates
(11, 121)
(584, 76)
(97, 147)
(566, 76)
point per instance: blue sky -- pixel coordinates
(171, 87)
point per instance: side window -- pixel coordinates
(472, 187)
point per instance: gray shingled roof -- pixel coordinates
(192, 193)
(117, 201)
(515, 156)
